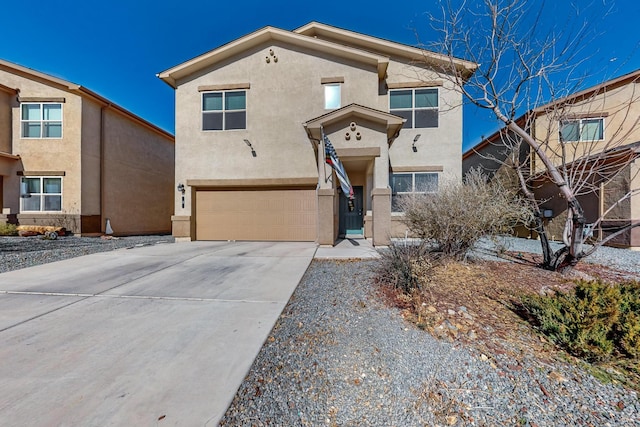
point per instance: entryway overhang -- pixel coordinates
(361, 137)
(392, 123)
(8, 163)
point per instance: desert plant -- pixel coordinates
(7, 229)
(460, 214)
(402, 265)
(595, 321)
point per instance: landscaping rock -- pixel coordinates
(306, 375)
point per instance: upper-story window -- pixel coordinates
(332, 96)
(418, 106)
(41, 120)
(224, 110)
(41, 193)
(590, 129)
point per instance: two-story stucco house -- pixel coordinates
(250, 116)
(71, 158)
(593, 136)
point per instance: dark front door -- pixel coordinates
(351, 219)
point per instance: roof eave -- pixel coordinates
(174, 74)
(394, 123)
(464, 67)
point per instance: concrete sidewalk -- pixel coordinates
(160, 335)
(348, 249)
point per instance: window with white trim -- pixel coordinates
(411, 183)
(224, 110)
(418, 106)
(580, 130)
(40, 194)
(41, 120)
(332, 99)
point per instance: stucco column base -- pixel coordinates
(326, 216)
(381, 200)
(181, 227)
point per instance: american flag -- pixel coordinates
(331, 158)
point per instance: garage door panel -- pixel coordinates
(275, 215)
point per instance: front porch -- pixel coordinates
(361, 137)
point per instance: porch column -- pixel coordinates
(326, 205)
(381, 200)
(326, 235)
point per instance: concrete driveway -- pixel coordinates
(160, 335)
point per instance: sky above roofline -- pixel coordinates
(116, 48)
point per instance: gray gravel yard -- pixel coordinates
(22, 252)
(339, 357)
(620, 259)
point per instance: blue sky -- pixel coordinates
(117, 47)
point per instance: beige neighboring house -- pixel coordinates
(71, 158)
(590, 135)
(249, 122)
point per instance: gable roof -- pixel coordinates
(385, 47)
(322, 38)
(632, 77)
(393, 123)
(172, 75)
(77, 90)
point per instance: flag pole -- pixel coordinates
(324, 157)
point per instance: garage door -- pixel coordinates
(265, 214)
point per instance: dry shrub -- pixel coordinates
(403, 265)
(459, 214)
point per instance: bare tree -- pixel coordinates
(526, 65)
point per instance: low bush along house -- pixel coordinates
(71, 158)
(251, 160)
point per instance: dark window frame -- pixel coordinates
(230, 118)
(429, 116)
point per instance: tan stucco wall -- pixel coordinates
(6, 99)
(441, 146)
(138, 177)
(90, 155)
(620, 109)
(138, 162)
(50, 154)
(283, 95)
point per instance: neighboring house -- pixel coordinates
(249, 122)
(71, 158)
(590, 135)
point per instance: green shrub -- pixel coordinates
(7, 229)
(596, 321)
(402, 265)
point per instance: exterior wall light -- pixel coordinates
(181, 189)
(253, 152)
(413, 146)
